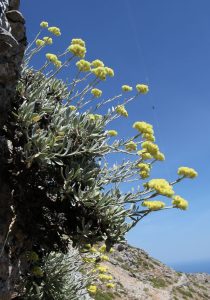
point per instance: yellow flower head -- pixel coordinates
(159, 156)
(144, 174)
(144, 128)
(44, 24)
(104, 257)
(40, 43)
(92, 289)
(154, 205)
(161, 186)
(77, 50)
(102, 249)
(148, 137)
(36, 118)
(120, 109)
(72, 107)
(102, 269)
(109, 71)
(37, 271)
(83, 65)
(142, 88)
(105, 277)
(55, 30)
(97, 63)
(78, 42)
(89, 259)
(110, 285)
(96, 93)
(127, 88)
(98, 117)
(143, 166)
(131, 146)
(179, 202)
(94, 117)
(32, 256)
(51, 57)
(187, 172)
(150, 147)
(112, 132)
(93, 250)
(100, 72)
(47, 40)
(144, 154)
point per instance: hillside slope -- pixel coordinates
(140, 277)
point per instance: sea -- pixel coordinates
(191, 267)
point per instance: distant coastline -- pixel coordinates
(191, 267)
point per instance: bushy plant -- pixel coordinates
(63, 186)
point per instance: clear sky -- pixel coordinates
(165, 44)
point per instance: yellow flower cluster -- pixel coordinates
(92, 289)
(144, 154)
(104, 257)
(87, 246)
(96, 93)
(97, 63)
(89, 259)
(143, 127)
(55, 30)
(32, 256)
(112, 132)
(146, 130)
(109, 71)
(77, 47)
(47, 40)
(148, 137)
(127, 88)
(102, 249)
(153, 149)
(36, 118)
(159, 156)
(142, 88)
(100, 72)
(179, 202)
(83, 65)
(94, 117)
(131, 146)
(144, 170)
(54, 59)
(37, 271)
(40, 43)
(120, 109)
(154, 205)
(44, 24)
(105, 277)
(150, 147)
(78, 42)
(93, 250)
(72, 107)
(187, 172)
(161, 186)
(102, 269)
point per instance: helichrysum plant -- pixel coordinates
(64, 188)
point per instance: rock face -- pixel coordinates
(140, 277)
(12, 47)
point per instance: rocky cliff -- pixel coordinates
(140, 277)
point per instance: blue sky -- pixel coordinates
(165, 44)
